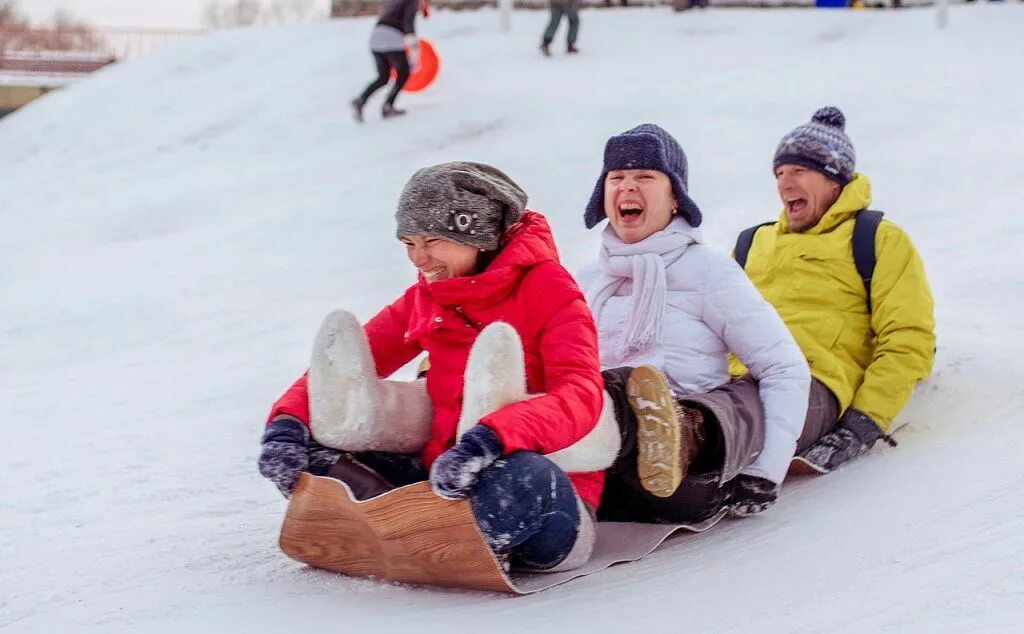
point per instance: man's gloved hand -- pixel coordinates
(455, 471)
(751, 494)
(284, 453)
(853, 435)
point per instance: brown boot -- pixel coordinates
(668, 434)
(364, 482)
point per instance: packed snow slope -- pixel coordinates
(175, 228)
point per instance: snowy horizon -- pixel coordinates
(176, 227)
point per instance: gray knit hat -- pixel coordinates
(468, 203)
(647, 146)
(821, 145)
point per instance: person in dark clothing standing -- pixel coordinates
(570, 9)
(396, 26)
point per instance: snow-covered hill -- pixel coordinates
(175, 228)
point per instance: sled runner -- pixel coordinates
(803, 466)
(412, 536)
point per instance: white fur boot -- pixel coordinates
(597, 450)
(496, 377)
(353, 410)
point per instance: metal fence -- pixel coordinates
(129, 43)
(52, 63)
(119, 44)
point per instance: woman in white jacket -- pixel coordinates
(669, 310)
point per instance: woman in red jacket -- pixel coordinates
(482, 258)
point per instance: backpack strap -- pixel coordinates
(744, 242)
(865, 226)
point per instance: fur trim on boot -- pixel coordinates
(350, 408)
(598, 449)
(496, 377)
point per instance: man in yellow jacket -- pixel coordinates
(866, 351)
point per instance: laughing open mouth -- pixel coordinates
(630, 210)
(797, 205)
(434, 274)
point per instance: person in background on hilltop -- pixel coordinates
(395, 29)
(570, 9)
(857, 302)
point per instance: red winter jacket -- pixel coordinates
(524, 286)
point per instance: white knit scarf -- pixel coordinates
(644, 264)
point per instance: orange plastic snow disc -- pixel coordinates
(423, 75)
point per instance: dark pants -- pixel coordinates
(524, 505)
(385, 62)
(625, 500)
(739, 412)
(734, 429)
(558, 9)
(822, 415)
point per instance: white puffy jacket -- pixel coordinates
(711, 309)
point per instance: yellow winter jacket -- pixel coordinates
(870, 361)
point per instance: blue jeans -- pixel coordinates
(526, 508)
(558, 9)
(524, 505)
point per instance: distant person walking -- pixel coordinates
(395, 28)
(570, 9)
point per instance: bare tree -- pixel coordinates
(64, 33)
(294, 11)
(212, 15)
(9, 13)
(221, 14)
(68, 33)
(13, 25)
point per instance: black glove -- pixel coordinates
(284, 453)
(455, 471)
(853, 435)
(750, 495)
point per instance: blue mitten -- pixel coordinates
(284, 453)
(455, 471)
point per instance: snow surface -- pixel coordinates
(175, 229)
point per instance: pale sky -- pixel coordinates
(121, 13)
